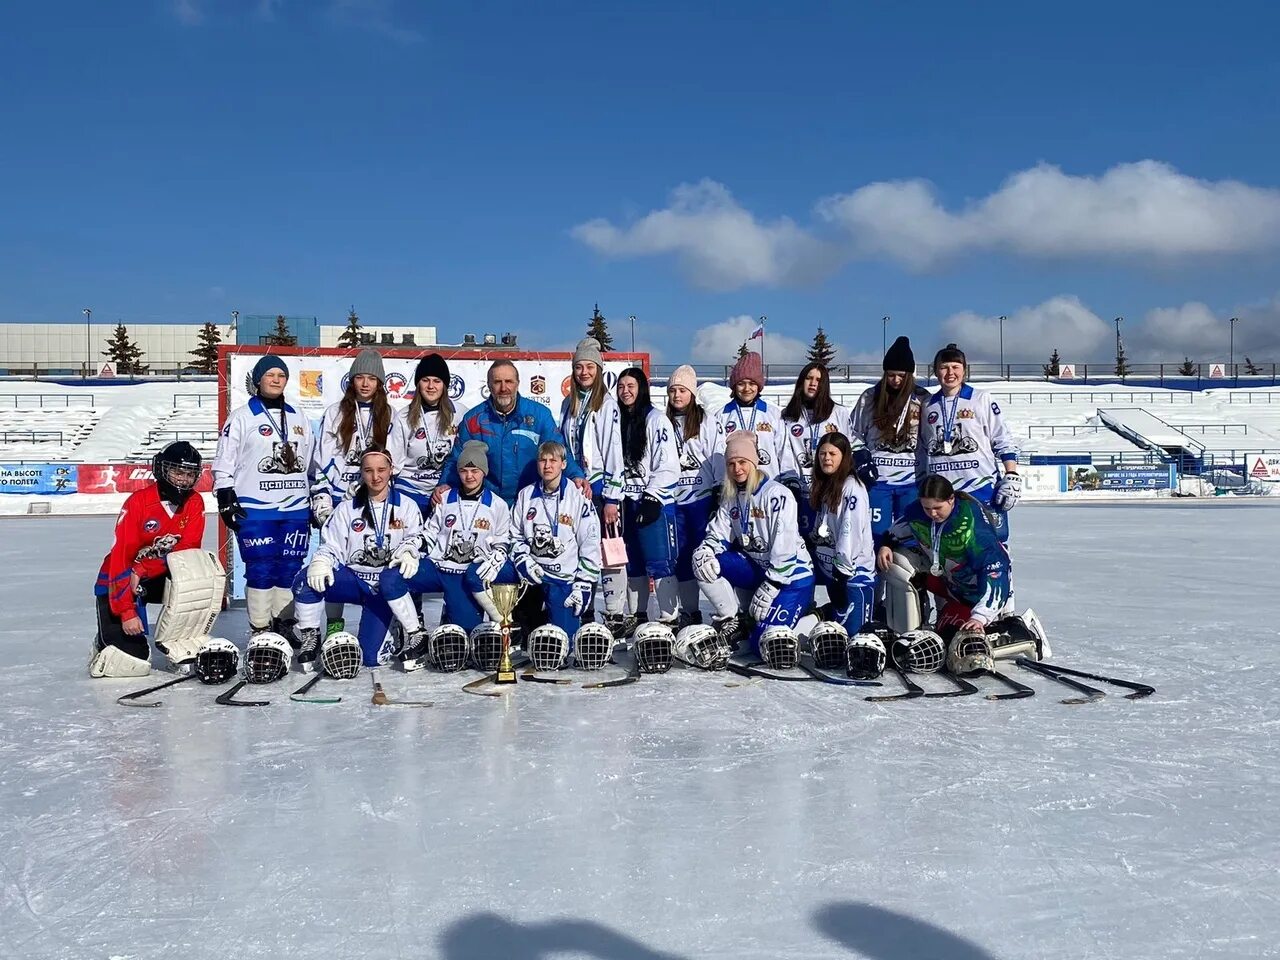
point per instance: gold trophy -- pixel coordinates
(505, 597)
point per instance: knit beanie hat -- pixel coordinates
(588, 349)
(949, 354)
(268, 362)
(432, 365)
(368, 361)
(748, 367)
(475, 453)
(685, 376)
(741, 445)
(899, 357)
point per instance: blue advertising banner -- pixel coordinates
(44, 478)
(1122, 477)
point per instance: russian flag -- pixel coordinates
(757, 332)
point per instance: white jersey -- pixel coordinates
(800, 439)
(419, 453)
(842, 541)
(765, 420)
(336, 468)
(763, 526)
(658, 472)
(963, 437)
(558, 531)
(462, 531)
(594, 440)
(363, 537)
(697, 470)
(896, 461)
(263, 455)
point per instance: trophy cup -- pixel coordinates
(505, 597)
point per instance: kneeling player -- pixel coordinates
(841, 534)
(466, 541)
(555, 541)
(374, 528)
(753, 544)
(157, 540)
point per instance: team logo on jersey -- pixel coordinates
(531, 514)
(765, 427)
(482, 524)
(421, 433)
(734, 513)
(538, 385)
(264, 430)
(797, 430)
(457, 387)
(528, 421)
(757, 513)
(965, 414)
(730, 427)
(357, 524)
(450, 520)
(933, 417)
(297, 429)
(565, 518)
(396, 384)
(396, 524)
(151, 526)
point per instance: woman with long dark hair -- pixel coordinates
(422, 434)
(694, 431)
(840, 540)
(651, 468)
(360, 420)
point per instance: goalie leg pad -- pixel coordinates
(901, 597)
(113, 662)
(192, 600)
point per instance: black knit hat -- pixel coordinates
(899, 356)
(950, 354)
(432, 365)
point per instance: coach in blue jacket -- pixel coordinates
(512, 427)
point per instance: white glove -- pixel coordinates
(530, 570)
(406, 560)
(706, 566)
(320, 573)
(762, 601)
(1008, 492)
(579, 595)
(489, 568)
(321, 507)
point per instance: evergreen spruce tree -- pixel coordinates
(281, 337)
(124, 353)
(1122, 362)
(742, 352)
(1251, 368)
(1187, 369)
(351, 336)
(206, 351)
(598, 327)
(821, 351)
(1054, 366)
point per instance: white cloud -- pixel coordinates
(1197, 331)
(187, 12)
(720, 245)
(718, 344)
(1031, 333)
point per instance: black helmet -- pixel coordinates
(177, 471)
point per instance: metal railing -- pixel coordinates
(19, 401)
(1064, 429)
(31, 436)
(195, 400)
(193, 436)
(1205, 428)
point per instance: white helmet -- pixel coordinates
(341, 656)
(267, 658)
(779, 647)
(217, 661)
(653, 644)
(448, 647)
(969, 652)
(702, 645)
(865, 656)
(548, 647)
(592, 645)
(827, 642)
(486, 645)
(920, 651)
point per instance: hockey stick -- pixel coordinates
(963, 688)
(1020, 690)
(226, 699)
(1091, 694)
(749, 681)
(1140, 690)
(631, 676)
(128, 699)
(476, 687)
(297, 695)
(812, 670)
(380, 696)
(913, 691)
(532, 674)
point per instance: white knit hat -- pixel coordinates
(685, 376)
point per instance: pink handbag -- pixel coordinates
(613, 549)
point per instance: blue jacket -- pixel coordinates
(513, 440)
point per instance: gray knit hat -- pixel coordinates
(475, 453)
(588, 348)
(368, 361)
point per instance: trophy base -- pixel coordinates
(504, 676)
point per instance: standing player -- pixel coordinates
(369, 531)
(360, 420)
(422, 434)
(162, 517)
(746, 412)
(843, 548)
(650, 473)
(966, 440)
(260, 478)
(694, 431)
(590, 423)
(753, 545)
(556, 540)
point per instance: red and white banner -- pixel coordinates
(125, 477)
(1265, 467)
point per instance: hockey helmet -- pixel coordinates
(827, 642)
(969, 652)
(217, 661)
(486, 646)
(653, 644)
(866, 656)
(341, 656)
(702, 645)
(267, 658)
(448, 648)
(779, 647)
(920, 651)
(592, 645)
(548, 647)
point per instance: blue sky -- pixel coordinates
(503, 166)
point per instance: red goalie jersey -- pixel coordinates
(146, 532)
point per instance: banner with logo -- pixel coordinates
(1118, 477)
(43, 478)
(126, 478)
(1262, 466)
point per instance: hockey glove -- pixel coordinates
(579, 597)
(648, 510)
(320, 574)
(1008, 492)
(489, 568)
(762, 601)
(406, 559)
(706, 566)
(864, 467)
(321, 508)
(529, 570)
(229, 508)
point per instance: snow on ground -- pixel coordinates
(676, 817)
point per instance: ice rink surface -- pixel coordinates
(675, 817)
